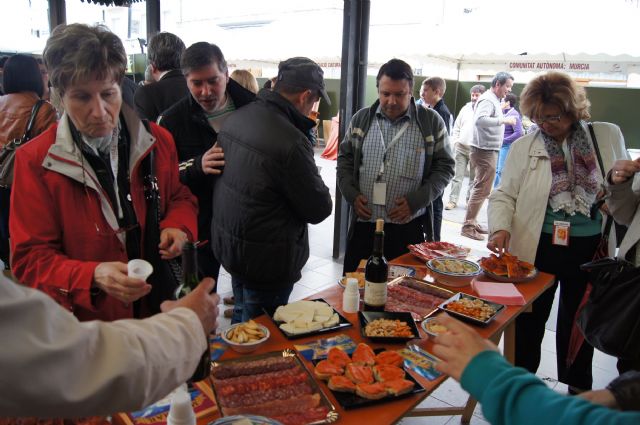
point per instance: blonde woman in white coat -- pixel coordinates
(552, 177)
(623, 186)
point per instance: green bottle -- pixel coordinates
(189, 282)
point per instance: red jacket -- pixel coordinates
(63, 225)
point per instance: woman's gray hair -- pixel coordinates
(79, 52)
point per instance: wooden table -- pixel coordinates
(392, 412)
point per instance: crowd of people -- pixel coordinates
(232, 168)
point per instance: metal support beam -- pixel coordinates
(153, 18)
(355, 46)
(57, 13)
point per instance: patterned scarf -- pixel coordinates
(573, 190)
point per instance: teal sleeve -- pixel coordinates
(511, 395)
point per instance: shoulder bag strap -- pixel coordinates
(608, 220)
(32, 119)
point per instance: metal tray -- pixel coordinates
(332, 414)
(425, 288)
(342, 323)
(498, 308)
(352, 401)
(368, 316)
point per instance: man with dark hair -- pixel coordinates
(431, 94)
(487, 139)
(3, 59)
(269, 191)
(195, 122)
(394, 161)
(461, 137)
(170, 86)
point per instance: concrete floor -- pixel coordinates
(322, 271)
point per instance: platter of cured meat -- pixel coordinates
(415, 296)
(275, 385)
(429, 250)
(367, 377)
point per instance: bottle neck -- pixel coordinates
(378, 244)
(189, 266)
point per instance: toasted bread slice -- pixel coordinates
(390, 357)
(325, 370)
(359, 374)
(371, 391)
(338, 357)
(387, 372)
(398, 387)
(342, 384)
(364, 354)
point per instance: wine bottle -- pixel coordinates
(375, 273)
(189, 282)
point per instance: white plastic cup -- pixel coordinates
(181, 410)
(140, 269)
(351, 296)
(352, 285)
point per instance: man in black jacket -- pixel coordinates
(270, 190)
(170, 86)
(194, 123)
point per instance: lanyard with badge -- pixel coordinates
(380, 187)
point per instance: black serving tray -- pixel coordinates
(368, 316)
(342, 323)
(498, 308)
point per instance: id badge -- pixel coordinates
(561, 233)
(380, 193)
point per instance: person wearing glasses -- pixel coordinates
(78, 209)
(541, 212)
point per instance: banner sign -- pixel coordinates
(592, 67)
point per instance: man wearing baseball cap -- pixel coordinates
(270, 190)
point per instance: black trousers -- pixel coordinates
(396, 239)
(208, 266)
(434, 235)
(564, 263)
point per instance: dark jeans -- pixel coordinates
(434, 235)
(396, 239)
(564, 263)
(249, 303)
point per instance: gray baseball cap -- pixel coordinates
(304, 73)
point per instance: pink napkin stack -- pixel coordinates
(503, 293)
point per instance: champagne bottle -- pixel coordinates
(189, 282)
(375, 273)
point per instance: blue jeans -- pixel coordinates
(250, 303)
(502, 157)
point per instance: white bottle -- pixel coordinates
(351, 296)
(181, 411)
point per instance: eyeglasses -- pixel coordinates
(551, 119)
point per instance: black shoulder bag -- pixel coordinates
(610, 318)
(8, 151)
(167, 274)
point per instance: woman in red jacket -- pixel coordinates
(24, 87)
(78, 208)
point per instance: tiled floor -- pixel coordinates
(322, 271)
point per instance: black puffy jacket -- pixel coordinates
(193, 135)
(269, 191)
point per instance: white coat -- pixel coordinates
(519, 204)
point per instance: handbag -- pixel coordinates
(167, 274)
(609, 320)
(8, 151)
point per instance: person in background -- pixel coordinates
(432, 92)
(169, 86)
(461, 137)
(3, 60)
(195, 122)
(541, 212)
(148, 76)
(623, 185)
(488, 131)
(270, 83)
(24, 86)
(259, 229)
(512, 396)
(393, 162)
(245, 79)
(58, 366)
(512, 132)
(46, 95)
(86, 173)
